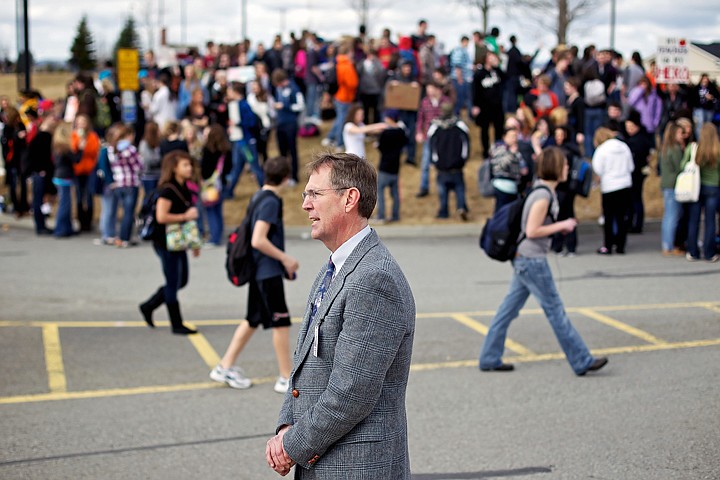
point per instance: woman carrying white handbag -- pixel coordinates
(706, 155)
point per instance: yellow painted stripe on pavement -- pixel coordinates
(479, 327)
(203, 347)
(53, 358)
(623, 327)
(418, 367)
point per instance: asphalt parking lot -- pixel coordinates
(87, 391)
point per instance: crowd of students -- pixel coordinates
(579, 102)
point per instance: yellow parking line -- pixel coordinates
(479, 327)
(203, 347)
(53, 358)
(623, 327)
(418, 367)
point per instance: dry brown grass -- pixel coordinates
(50, 85)
(420, 211)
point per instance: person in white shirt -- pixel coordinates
(355, 130)
(162, 106)
(613, 163)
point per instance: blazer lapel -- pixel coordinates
(336, 287)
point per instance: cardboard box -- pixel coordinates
(402, 96)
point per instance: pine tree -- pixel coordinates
(129, 37)
(82, 51)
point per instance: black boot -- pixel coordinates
(153, 303)
(176, 320)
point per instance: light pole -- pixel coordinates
(183, 22)
(244, 19)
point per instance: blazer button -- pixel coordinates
(295, 393)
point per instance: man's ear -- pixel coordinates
(353, 199)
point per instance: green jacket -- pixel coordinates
(670, 167)
(709, 176)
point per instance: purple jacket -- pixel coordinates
(650, 107)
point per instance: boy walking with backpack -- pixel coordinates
(449, 150)
(266, 295)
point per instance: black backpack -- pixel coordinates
(147, 225)
(331, 80)
(501, 236)
(239, 263)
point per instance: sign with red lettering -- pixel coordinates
(672, 59)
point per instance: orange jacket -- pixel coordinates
(347, 79)
(89, 159)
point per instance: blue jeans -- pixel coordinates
(425, 167)
(510, 100)
(38, 191)
(409, 118)
(175, 269)
(312, 101)
(701, 116)
(341, 111)
(464, 97)
(108, 214)
(594, 118)
(533, 276)
(388, 180)
(708, 203)
(671, 216)
(149, 185)
(243, 151)
(63, 220)
(127, 197)
(447, 182)
(215, 223)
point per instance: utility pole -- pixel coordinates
(612, 24)
(244, 20)
(26, 41)
(183, 22)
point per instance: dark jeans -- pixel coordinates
(84, 200)
(502, 198)
(594, 118)
(447, 182)
(615, 209)
(490, 116)
(370, 103)
(707, 203)
(14, 177)
(175, 269)
(287, 144)
(127, 197)
(63, 220)
(409, 118)
(38, 191)
(637, 209)
(385, 181)
(566, 200)
(149, 185)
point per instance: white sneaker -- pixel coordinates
(326, 142)
(234, 377)
(282, 385)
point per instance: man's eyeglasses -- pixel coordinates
(313, 194)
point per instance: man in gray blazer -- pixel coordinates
(344, 413)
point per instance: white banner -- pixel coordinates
(671, 60)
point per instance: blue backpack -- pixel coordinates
(501, 235)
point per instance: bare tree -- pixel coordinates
(483, 6)
(365, 11)
(564, 12)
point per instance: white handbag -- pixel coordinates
(687, 184)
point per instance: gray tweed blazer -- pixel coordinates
(347, 404)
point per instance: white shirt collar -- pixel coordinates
(343, 252)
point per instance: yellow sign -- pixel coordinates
(128, 64)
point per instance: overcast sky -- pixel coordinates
(639, 22)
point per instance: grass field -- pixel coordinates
(413, 211)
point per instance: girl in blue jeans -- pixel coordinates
(531, 273)
(64, 177)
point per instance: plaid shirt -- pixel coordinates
(126, 167)
(428, 112)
